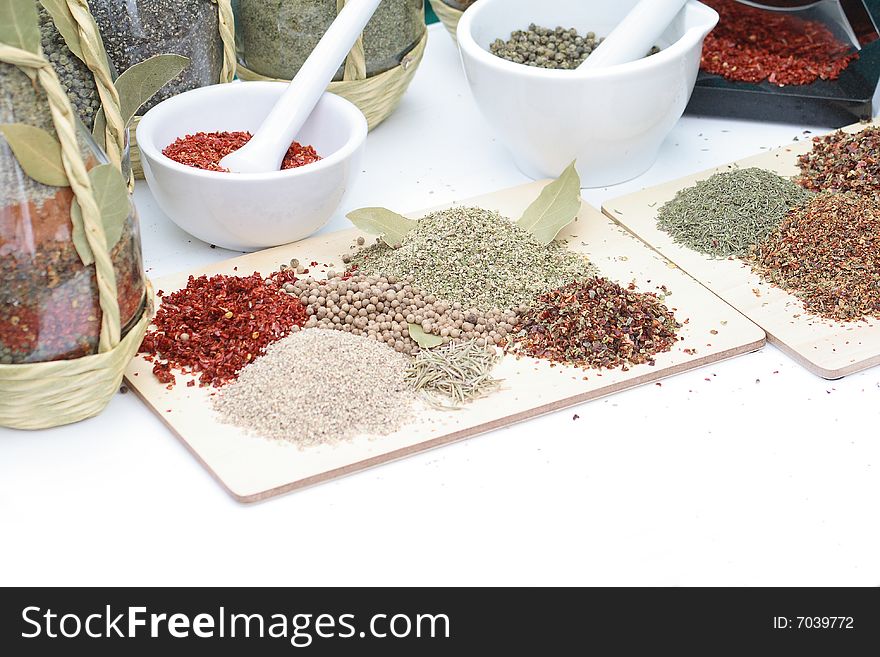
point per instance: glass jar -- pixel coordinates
(275, 37)
(49, 307)
(74, 75)
(135, 30)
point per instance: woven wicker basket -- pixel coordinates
(42, 395)
(449, 16)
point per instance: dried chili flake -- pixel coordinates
(596, 324)
(204, 150)
(842, 161)
(215, 326)
(754, 45)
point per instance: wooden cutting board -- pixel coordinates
(252, 468)
(828, 348)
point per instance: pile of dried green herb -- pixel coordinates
(476, 258)
(596, 324)
(827, 253)
(454, 374)
(726, 214)
(843, 162)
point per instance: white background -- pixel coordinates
(752, 471)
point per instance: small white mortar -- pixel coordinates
(250, 211)
(612, 120)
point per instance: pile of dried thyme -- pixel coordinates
(827, 253)
(476, 258)
(596, 324)
(726, 214)
(843, 162)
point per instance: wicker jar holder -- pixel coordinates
(449, 16)
(376, 96)
(227, 74)
(42, 395)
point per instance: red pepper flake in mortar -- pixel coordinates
(204, 150)
(596, 324)
(753, 45)
(215, 326)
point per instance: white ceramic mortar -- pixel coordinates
(250, 211)
(612, 120)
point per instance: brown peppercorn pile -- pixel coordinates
(827, 253)
(842, 162)
(596, 324)
(382, 308)
(215, 326)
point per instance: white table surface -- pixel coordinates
(750, 472)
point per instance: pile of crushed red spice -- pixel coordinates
(596, 324)
(843, 162)
(215, 326)
(753, 45)
(827, 253)
(204, 150)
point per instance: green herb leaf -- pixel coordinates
(390, 226)
(19, 25)
(111, 193)
(38, 153)
(59, 10)
(555, 208)
(424, 340)
(140, 83)
(78, 235)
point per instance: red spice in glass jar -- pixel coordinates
(215, 326)
(753, 45)
(204, 150)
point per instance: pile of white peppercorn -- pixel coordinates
(382, 308)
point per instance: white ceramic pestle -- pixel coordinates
(266, 149)
(635, 35)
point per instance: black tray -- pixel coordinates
(831, 103)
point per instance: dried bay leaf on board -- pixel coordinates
(19, 25)
(424, 340)
(38, 153)
(388, 225)
(140, 83)
(111, 195)
(59, 10)
(555, 208)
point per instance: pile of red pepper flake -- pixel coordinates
(753, 45)
(204, 150)
(215, 326)
(843, 162)
(596, 324)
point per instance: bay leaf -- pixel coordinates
(111, 194)
(555, 208)
(78, 235)
(19, 25)
(424, 340)
(38, 153)
(388, 225)
(137, 85)
(64, 21)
